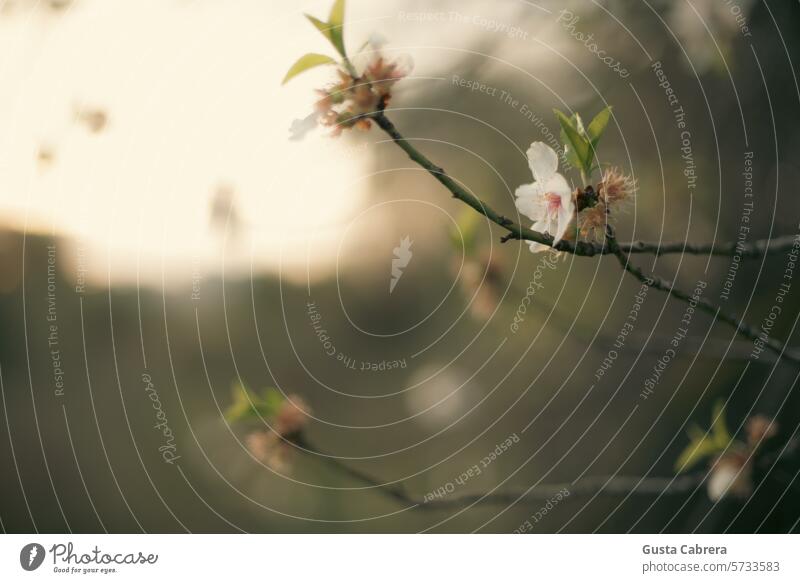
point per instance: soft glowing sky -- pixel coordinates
(192, 93)
(193, 97)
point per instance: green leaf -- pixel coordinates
(719, 427)
(570, 154)
(695, 433)
(577, 123)
(336, 17)
(306, 62)
(331, 31)
(700, 447)
(242, 403)
(598, 125)
(336, 23)
(323, 27)
(578, 149)
(246, 405)
(705, 444)
(273, 400)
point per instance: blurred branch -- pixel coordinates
(705, 348)
(613, 485)
(753, 249)
(610, 485)
(655, 282)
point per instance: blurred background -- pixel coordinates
(168, 213)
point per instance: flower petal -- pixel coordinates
(540, 226)
(566, 214)
(546, 224)
(536, 247)
(557, 184)
(529, 201)
(543, 161)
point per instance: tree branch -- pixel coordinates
(610, 485)
(753, 249)
(742, 328)
(594, 485)
(610, 245)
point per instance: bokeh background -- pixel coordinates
(158, 207)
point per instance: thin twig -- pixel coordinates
(609, 245)
(606, 485)
(655, 282)
(394, 491)
(609, 485)
(753, 249)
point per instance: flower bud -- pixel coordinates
(615, 187)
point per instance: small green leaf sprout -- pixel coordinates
(286, 418)
(248, 405)
(580, 144)
(358, 95)
(730, 460)
(705, 444)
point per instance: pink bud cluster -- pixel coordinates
(349, 103)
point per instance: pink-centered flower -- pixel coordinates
(548, 200)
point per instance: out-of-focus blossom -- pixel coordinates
(760, 428)
(274, 446)
(349, 102)
(481, 280)
(45, 156)
(731, 475)
(292, 417)
(94, 119)
(731, 472)
(377, 40)
(269, 448)
(382, 74)
(731, 461)
(224, 217)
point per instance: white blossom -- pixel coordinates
(548, 200)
